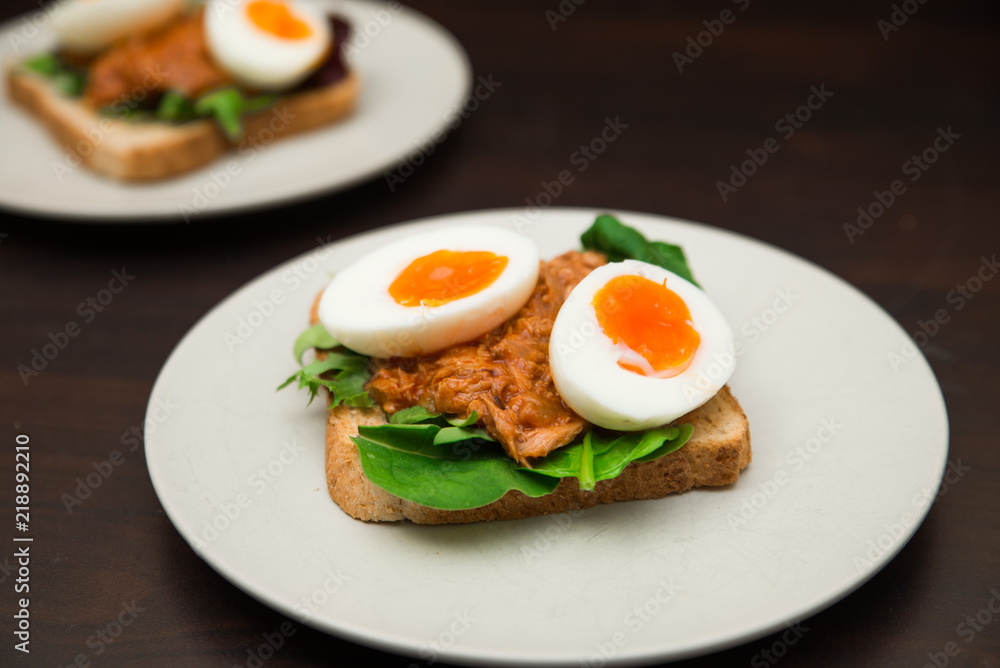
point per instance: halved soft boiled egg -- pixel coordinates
(635, 346)
(267, 44)
(423, 293)
(87, 26)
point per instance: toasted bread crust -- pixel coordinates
(148, 151)
(715, 455)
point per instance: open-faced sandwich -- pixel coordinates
(147, 89)
(470, 381)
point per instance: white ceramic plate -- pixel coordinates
(415, 79)
(849, 449)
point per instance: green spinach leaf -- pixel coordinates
(66, 79)
(411, 466)
(174, 107)
(411, 415)
(603, 455)
(621, 242)
(46, 64)
(228, 106)
(421, 456)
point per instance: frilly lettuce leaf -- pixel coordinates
(342, 372)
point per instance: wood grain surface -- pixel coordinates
(883, 101)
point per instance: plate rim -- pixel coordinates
(482, 657)
(113, 216)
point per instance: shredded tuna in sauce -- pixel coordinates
(504, 375)
(175, 57)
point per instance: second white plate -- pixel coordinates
(849, 444)
(415, 80)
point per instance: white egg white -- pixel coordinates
(357, 309)
(87, 26)
(260, 59)
(585, 366)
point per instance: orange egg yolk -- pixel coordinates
(651, 320)
(444, 276)
(275, 18)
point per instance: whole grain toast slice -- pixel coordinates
(145, 151)
(718, 450)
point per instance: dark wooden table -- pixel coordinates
(887, 94)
